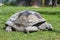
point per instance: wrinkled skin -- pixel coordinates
(27, 21)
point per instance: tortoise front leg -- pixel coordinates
(31, 29)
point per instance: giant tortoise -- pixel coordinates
(26, 21)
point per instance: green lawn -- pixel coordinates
(51, 14)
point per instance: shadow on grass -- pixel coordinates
(52, 31)
(56, 31)
(49, 13)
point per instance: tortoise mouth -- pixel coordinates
(39, 23)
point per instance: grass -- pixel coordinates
(51, 14)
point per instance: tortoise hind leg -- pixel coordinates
(8, 28)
